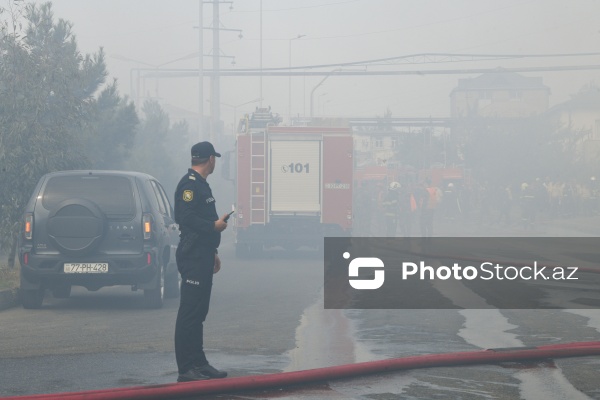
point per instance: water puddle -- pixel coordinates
(326, 338)
(547, 383)
(489, 328)
(592, 314)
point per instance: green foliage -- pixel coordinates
(520, 150)
(46, 96)
(110, 131)
(9, 277)
(55, 113)
(161, 148)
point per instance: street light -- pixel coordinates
(315, 88)
(135, 94)
(324, 104)
(319, 101)
(290, 77)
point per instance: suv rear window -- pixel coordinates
(113, 194)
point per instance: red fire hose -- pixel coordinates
(228, 385)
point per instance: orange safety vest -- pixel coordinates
(433, 197)
(413, 203)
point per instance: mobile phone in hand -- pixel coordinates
(228, 215)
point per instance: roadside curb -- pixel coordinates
(9, 298)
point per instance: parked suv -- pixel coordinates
(96, 229)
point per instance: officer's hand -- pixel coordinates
(220, 224)
(217, 266)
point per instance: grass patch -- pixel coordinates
(9, 278)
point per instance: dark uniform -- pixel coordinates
(390, 205)
(195, 212)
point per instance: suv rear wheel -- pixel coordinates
(32, 298)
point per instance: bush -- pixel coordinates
(9, 278)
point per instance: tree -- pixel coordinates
(161, 149)
(111, 129)
(46, 89)
(514, 151)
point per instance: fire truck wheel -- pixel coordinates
(256, 250)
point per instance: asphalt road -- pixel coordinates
(108, 339)
(267, 316)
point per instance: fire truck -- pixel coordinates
(293, 184)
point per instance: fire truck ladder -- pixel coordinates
(258, 177)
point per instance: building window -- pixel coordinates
(485, 99)
(596, 132)
(378, 143)
(486, 95)
(516, 95)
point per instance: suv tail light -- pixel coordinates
(147, 226)
(28, 228)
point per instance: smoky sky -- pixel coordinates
(163, 34)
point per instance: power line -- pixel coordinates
(404, 28)
(182, 73)
(298, 8)
(431, 58)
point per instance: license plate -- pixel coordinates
(86, 268)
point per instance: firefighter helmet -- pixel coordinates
(394, 185)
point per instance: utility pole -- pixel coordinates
(215, 98)
(290, 77)
(200, 73)
(215, 79)
(261, 55)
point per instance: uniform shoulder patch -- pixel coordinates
(192, 177)
(188, 195)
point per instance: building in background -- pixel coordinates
(581, 116)
(501, 94)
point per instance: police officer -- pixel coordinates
(197, 261)
(528, 206)
(391, 207)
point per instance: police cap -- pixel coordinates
(204, 150)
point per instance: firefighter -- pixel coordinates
(528, 206)
(379, 217)
(363, 209)
(452, 208)
(505, 199)
(407, 206)
(391, 206)
(428, 198)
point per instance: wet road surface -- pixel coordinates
(267, 316)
